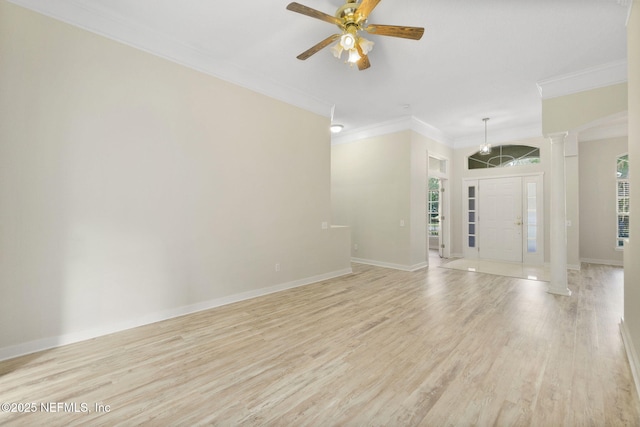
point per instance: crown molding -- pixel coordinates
(498, 136)
(371, 131)
(431, 132)
(78, 14)
(392, 126)
(591, 78)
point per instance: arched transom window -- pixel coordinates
(505, 156)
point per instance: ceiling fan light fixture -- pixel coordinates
(365, 45)
(354, 56)
(337, 50)
(348, 41)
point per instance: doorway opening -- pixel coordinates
(437, 207)
(433, 215)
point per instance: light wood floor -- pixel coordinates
(379, 347)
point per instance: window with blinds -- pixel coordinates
(622, 200)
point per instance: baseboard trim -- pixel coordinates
(632, 356)
(401, 267)
(34, 346)
(603, 261)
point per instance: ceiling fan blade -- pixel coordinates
(366, 7)
(316, 48)
(414, 33)
(363, 62)
(306, 10)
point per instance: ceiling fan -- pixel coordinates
(352, 18)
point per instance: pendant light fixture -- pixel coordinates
(486, 147)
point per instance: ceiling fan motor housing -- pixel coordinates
(350, 19)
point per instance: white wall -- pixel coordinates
(598, 200)
(134, 189)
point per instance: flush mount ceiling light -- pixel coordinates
(351, 18)
(334, 127)
(486, 147)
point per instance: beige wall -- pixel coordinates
(132, 187)
(576, 110)
(598, 199)
(419, 161)
(632, 252)
(371, 193)
(377, 183)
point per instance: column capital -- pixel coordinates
(557, 137)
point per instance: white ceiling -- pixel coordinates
(477, 58)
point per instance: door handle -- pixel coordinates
(518, 223)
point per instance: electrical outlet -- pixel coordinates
(402, 223)
(324, 225)
(355, 247)
(278, 267)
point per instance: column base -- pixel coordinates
(564, 292)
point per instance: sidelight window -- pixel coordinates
(473, 218)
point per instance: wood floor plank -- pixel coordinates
(377, 347)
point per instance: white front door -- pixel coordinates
(500, 219)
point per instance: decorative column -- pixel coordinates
(558, 242)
